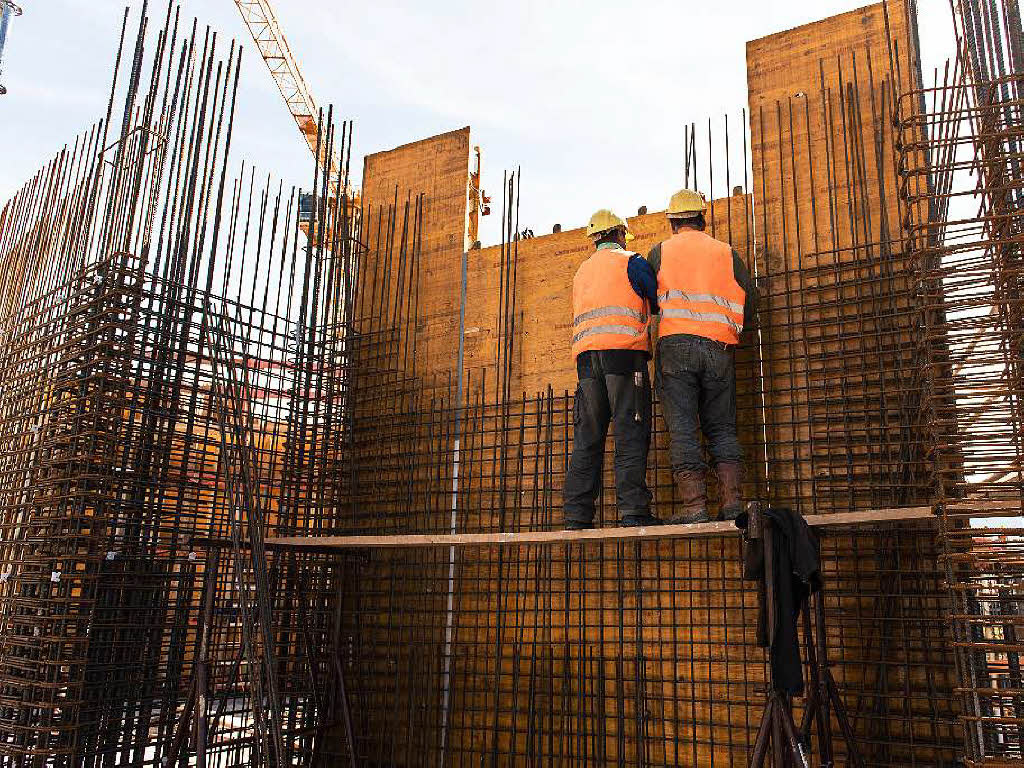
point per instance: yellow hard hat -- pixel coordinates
(686, 203)
(604, 220)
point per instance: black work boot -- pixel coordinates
(639, 520)
(578, 525)
(730, 475)
(693, 498)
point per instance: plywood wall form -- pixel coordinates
(644, 655)
(840, 346)
(437, 169)
(634, 654)
(544, 266)
(840, 314)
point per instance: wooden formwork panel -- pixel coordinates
(637, 653)
(437, 169)
(649, 657)
(839, 311)
(820, 103)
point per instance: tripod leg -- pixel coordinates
(778, 754)
(844, 722)
(761, 743)
(795, 750)
(810, 708)
(821, 677)
(824, 732)
(824, 728)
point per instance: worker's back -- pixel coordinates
(607, 312)
(697, 288)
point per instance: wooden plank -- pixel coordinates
(719, 528)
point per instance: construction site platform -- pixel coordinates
(716, 528)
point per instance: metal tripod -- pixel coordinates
(789, 747)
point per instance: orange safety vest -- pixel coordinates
(697, 289)
(607, 312)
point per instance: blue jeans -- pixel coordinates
(602, 398)
(696, 379)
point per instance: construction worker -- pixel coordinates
(613, 294)
(707, 297)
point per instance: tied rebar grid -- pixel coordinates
(164, 327)
(623, 654)
(961, 180)
(645, 654)
(839, 315)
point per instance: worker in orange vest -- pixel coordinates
(613, 294)
(707, 298)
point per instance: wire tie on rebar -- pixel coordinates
(54, 576)
(191, 556)
(111, 554)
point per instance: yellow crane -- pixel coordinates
(260, 19)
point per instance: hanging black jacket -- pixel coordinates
(797, 575)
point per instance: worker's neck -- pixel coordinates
(684, 230)
(610, 244)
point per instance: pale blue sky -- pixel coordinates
(588, 97)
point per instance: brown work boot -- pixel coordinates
(730, 474)
(693, 496)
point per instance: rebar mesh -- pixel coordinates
(960, 154)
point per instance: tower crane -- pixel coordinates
(260, 19)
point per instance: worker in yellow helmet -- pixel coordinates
(613, 294)
(707, 298)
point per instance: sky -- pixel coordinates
(589, 99)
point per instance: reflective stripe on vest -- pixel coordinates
(697, 289)
(623, 330)
(607, 313)
(721, 300)
(704, 317)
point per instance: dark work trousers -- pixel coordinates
(603, 398)
(696, 380)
